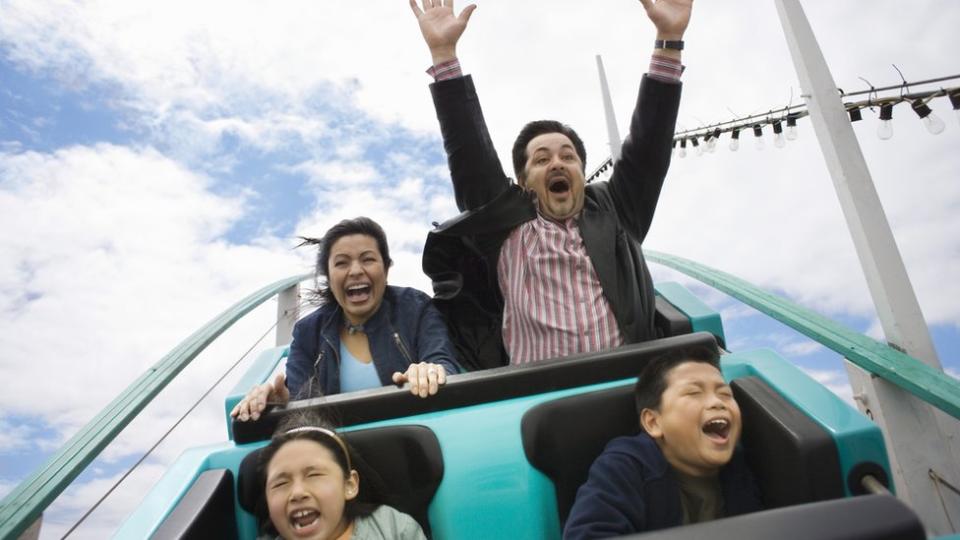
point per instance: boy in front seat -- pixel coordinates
(683, 467)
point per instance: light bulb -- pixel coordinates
(930, 121)
(711, 144)
(955, 102)
(696, 147)
(735, 140)
(885, 129)
(683, 148)
(933, 123)
(758, 136)
(778, 135)
(791, 127)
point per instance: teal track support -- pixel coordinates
(256, 374)
(702, 318)
(23, 506)
(903, 370)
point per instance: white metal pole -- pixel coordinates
(613, 134)
(919, 438)
(288, 311)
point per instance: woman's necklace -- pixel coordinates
(354, 328)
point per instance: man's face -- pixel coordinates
(698, 423)
(555, 173)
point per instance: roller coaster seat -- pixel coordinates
(405, 460)
(794, 459)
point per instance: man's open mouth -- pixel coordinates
(717, 430)
(302, 519)
(560, 185)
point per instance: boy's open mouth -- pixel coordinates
(359, 292)
(302, 519)
(717, 430)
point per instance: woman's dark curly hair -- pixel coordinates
(359, 225)
(297, 426)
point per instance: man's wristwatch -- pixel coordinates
(664, 44)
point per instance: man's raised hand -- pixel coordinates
(441, 29)
(669, 16)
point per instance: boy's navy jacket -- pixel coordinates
(632, 488)
(406, 329)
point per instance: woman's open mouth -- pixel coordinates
(359, 292)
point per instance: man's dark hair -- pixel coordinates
(653, 377)
(360, 225)
(537, 128)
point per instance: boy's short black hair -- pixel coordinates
(535, 129)
(653, 377)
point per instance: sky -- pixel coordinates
(159, 159)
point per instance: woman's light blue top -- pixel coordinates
(354, 374)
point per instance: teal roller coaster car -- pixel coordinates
(500, 453)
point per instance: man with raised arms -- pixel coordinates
(549, 266)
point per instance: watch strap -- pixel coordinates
(665, 44)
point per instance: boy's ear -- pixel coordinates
(650, 422)
(352, 486)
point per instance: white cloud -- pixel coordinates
(14, 437)
(790, 345)
(117, 256)
(835, 381)
(955, 373)
(346, 174)
(801, 348)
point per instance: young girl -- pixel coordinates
(311, 490)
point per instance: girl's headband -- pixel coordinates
(329, 433)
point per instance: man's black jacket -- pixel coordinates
(460, 256)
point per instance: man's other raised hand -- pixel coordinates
(671, 17)
(441, 29)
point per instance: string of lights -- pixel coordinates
(704, 139)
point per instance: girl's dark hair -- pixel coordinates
(359, 225)
(652, 382)
(371, 489)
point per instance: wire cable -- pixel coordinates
(174, 426)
